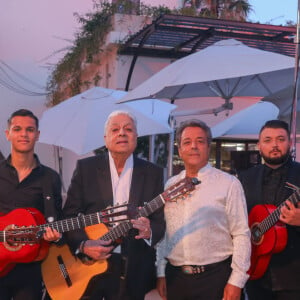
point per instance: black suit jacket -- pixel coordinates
(284, 268)
(91, 191)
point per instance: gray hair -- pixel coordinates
(120, 112)
(193, 123)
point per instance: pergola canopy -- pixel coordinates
(177, 36)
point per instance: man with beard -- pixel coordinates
(267, 184)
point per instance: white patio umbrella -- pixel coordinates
(78, 122)
(283, 99)
(247, 122)
(225, 69)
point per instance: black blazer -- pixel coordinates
(91, 191)
(285, 265)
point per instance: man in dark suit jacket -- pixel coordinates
(105, 180)
(266, 184)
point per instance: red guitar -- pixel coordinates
(22, 231)
(268, 235)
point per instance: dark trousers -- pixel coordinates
(111, 285)
(255, 291)
(209, 284)
(23, 282)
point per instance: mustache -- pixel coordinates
(275, 150)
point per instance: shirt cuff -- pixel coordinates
(238, 279)
(149, 241)
(160, 268)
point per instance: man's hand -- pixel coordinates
(162, 287)
(97, 249)
(51, 235)
(289, 214)
(232, 292)
(143, 225)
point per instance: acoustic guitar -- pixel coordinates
(67, 277)
(22, 229)
(268, 234)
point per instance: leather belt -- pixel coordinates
(195, 269)
(192, 269)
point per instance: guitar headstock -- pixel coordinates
(180, 188)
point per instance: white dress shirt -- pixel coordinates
(121, 184)
(208, 226)
(121, 188)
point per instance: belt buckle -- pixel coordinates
(190, 270)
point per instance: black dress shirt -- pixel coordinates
(274, 180)
(30, 191)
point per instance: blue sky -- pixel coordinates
(275, 12)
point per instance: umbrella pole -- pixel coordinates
(60, 166)
(151, 148)
(171, 147)
(293, 124)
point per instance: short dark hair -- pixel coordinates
(193, 123)
(23, 113)
(276, 124)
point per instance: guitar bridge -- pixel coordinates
(64, 270)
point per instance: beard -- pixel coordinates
(276, 160)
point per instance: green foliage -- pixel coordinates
(89, 41)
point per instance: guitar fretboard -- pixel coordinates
(123, 228)
(273, 218)
(74, 223)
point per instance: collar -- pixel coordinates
(201, 171)
(128, 165)
(38, 163)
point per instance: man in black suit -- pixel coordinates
(116, 177)
(267, 184)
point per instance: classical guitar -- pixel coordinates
(22, 229)
(268, 234)
(67, 277)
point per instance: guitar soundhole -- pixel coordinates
(256, 234)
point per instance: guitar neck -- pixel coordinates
(123, 228)
(74, 223)
(273, 218)
(2, 236)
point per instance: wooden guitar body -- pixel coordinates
(264, 245)
(65, 276)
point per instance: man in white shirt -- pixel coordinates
(205, 253)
